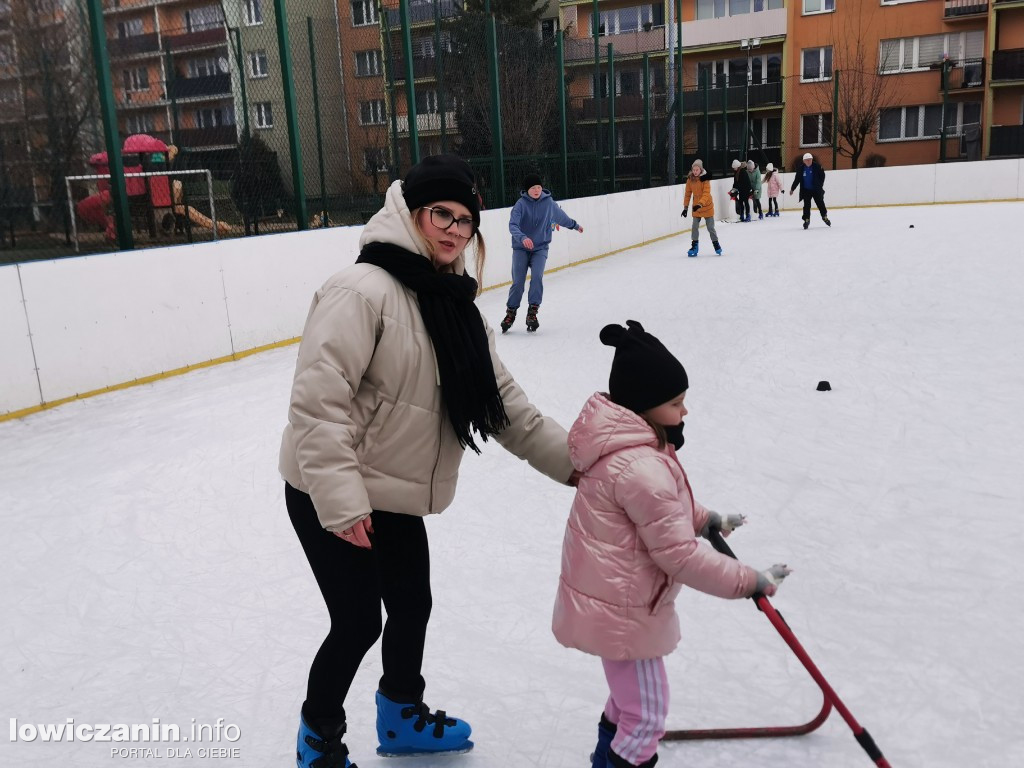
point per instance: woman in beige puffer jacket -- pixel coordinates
(395, 371)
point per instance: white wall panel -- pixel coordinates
(1020, 179)
(103, 320)
(899, 185)
(19, 387)
(991, 180)
(270, 281)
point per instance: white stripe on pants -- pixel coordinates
(638, 705)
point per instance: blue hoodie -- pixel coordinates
(534, 219)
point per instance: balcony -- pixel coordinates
(965, 76)
(422, 66)
(732, 29)
(428, 121)
(734, 98)
(954, 10)
(1006, 141)
(203, 38)
(626, 106)
(423, 12)
(218, 136)
(1008, 64)
(626, 43)
(199, 87)
(120, 47)
(114, 6)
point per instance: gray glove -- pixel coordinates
(725, 525)
(769, 580)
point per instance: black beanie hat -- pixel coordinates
(442, 177)
(644, 373)
(532, 180)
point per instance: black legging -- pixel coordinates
(354, 582)
(773, 205)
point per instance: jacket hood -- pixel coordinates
(543, 195)
(393, 224)
(603, 428)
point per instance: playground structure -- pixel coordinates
(154, 199)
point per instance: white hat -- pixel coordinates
(769, 167)
(808, 156)
(735, 164)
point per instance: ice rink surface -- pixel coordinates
(149, 569)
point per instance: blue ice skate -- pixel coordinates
(405, 728)
(694, 247)
(718, 249)
(315, 751)
(605, 733)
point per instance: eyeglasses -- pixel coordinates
(442, 218)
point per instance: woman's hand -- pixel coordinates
(358, 534)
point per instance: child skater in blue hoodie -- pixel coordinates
(533, 218)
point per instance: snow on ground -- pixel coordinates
(149, 569)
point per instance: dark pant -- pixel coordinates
(757, 205)
(354, 582)
(819, 200)
(743, 207)
(773, 205)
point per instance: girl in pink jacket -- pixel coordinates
(631, 543)
(773, 182)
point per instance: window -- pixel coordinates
(264, 114)
(368, 63)
(426, 102)
(136, 79)
(364, 12)
(628, 140)
(765, 68)
(203, 67)
(716, 9)
(139, 124)
(816, 130)
(765, 132)
(621, 20)
(925, 121)
(9, 94)
(909, 54)
(375, 160)
(258, 63)
(548, 28)
(129, 28)
(819, 6)
(253, 12)
(207, 17)
(371, 112)
(817, 64)
(214, 117)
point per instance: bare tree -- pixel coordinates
(863, 90)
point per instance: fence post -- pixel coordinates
(396, 162)
(647, 120)
(316, 118)
(681, 161)
(497, 147)
(410, 87)
(236, 39)
(835, 118)
(292, 116)
(707, 117)
(439, 76)
(945, 106)
(118, 190)
(612, 145)
(564, 142)
(596, 26)
(725, 127)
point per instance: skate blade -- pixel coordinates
(412, 752)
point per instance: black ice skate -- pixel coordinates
(510, 317)
(532, 324)
(827, 222)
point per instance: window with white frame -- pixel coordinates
(717, 9)
(817, 64)
(205, 17)
(816, 130)
(548, 28)
(129, 28)
(204, 66)
(258, 66)
(629, 140)
(371, 112)
(139, 124)
(426, 102)
(364, 12)
(925, 121)
(253, 12)
(214, 117)
(908, 54)
(763, 68)
(765, 132)
(375, 160)
(264, 114)
(622, 20)
(819, 6)
(136, 80)
(368, 62)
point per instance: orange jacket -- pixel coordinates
(700, 191)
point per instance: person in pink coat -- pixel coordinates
(773, 181)
(631, 543)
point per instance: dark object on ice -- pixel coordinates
(911, 226)
(824, 386)
(831, 698)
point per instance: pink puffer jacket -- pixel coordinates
(631, 541)
(774, 185)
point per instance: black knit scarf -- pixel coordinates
(468, 386)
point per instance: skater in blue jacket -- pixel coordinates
(534, 217)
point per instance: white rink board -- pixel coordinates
(991, 180)
(18, 383)
(103, 320)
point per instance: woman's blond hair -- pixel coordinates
(478, 246)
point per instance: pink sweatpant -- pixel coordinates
(638, 705)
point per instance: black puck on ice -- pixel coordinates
(911, 226)
(824, 386)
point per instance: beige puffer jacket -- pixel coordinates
(366, 425)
